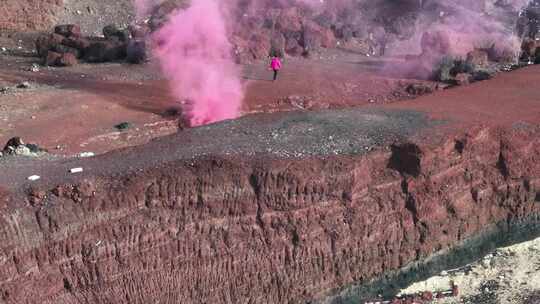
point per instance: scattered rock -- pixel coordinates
(136, 51)
(300, 102)
(123, 126)
(481, 75)
(22, 150)
(78, 43)
(528, 49)
(478, 58)
(418, 89)
(24, 85)
(63, 49)
(45, 43)
(52, 59)
(15, 146)
(34, 68)
(68, 30)
(13, 143)
(104, 51)
(463, 78)
(454, 71)
(442, 86)
(95, 52)
(537, 56)
(113, 32)
(67, 59)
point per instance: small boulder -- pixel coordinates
(528, 47)
(44, 43)
(111, 32)
(15, 146)
(68, 30)
(24, 85)
(12, 144)
(103, 51)
(67, 59)
(418, 89)
(115, 52)
(123, 126)
(62, 49)
(22, 150)
(78, 43)
(478, 58)
(136, 51)
(481, 75)
(95, 52)
(463, 78)
(52, 58)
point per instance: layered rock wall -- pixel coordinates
(229, 230)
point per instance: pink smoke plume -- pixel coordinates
(195, 55)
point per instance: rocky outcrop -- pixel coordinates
(66, 46)
(231, 229)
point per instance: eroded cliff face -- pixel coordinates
(256, 230)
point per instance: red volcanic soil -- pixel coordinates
(269, 208)
(76, 109)
(509, 98)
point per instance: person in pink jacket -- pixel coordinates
(275, 65)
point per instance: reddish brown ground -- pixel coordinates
(509, 98)
(273, 208)
(77, 108)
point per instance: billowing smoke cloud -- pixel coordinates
(195, 55)
(456, 27)
(469, 24)
(195, 52)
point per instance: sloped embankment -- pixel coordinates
(266, 209)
